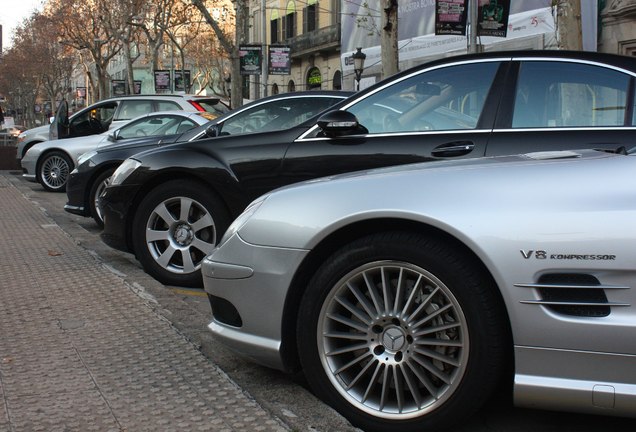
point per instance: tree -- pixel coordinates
(94, 34)
(240, 25)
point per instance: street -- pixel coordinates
(284, 399)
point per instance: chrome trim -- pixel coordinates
(538, 285)
(383, 135)
(574, 60)
(570, 303)
(567, 129)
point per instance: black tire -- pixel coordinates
(96, 189)
(176, 248)
(53, 171)
(447, 336)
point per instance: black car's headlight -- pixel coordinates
(125, 169)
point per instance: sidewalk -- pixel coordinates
(80, 351)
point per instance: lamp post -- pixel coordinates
(358, 65)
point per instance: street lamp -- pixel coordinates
(358, 65)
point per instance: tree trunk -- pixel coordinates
(389, 41)
(569, 24)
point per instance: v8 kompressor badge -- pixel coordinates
(544, 255)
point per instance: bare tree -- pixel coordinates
(91, 33)
(232, 48)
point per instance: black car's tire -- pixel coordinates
(53, 171)
(175, 227)
(402, 311)
(97, 188)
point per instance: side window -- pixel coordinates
(151, 126)
(168, 106)
(282, 114)
(134, 108)
(561, 94)
(450, 98)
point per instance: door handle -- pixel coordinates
(453, 149)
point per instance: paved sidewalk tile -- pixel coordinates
(80, 351)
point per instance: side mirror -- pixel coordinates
(212, 131)
(51, 120)
(339, 123)
(112, 137)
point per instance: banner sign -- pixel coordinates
(162, 80)
(181, 80)
(279, 60)
(250, 59)
(493, 18)
(450, 17)
(137, 86)
(119, 87)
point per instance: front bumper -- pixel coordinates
(77, 194)
(116, 204)
(253, 281)
(29, 166)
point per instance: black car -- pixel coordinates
(169, 206)
(276, 112)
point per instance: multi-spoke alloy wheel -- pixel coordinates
(393, 339)
(403, 332)
(176, 227)
(54, 171)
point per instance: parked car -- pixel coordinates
(113, 112)
(488, 104)
(93, 171)
(407, 294)
(50, 162)
(12, 131)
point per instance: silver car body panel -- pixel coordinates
(523, 216)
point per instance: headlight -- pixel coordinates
(242, 219)
(22, 137)
(85, 156)
(124, 170)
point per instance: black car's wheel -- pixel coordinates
(54, 171)
(97, 188)
(401, 332)
(176, 226)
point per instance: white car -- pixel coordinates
(50, 162)
(409, 294)
(113, 112)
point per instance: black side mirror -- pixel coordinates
(339, 123)
(212, 131)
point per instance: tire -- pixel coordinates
(443, 333)
(54, 171)
(97, 188)
(169, 246)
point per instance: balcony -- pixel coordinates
(322, 40)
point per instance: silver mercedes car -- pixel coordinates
(408, 294)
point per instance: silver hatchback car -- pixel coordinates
(408, 294)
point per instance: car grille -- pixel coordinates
(574, 294)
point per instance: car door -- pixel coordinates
(561, 104)
(443, 112)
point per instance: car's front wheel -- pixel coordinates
(54, 171)
(402, 332)
(175, 227)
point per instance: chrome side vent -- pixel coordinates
(573, 294)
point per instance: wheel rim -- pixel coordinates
(55, 171)
(100, 188)
(180, 233)
(393, 340)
